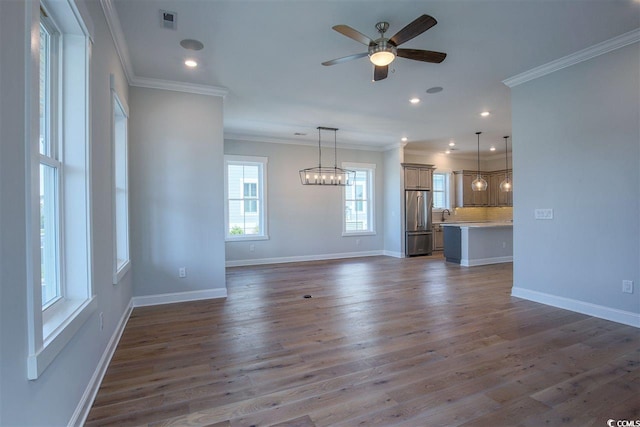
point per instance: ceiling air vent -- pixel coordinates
(168, 19)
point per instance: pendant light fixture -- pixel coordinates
(506, 185)
(327, 175)
(479, 184)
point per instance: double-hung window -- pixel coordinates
(60, 294)
(122, 262)
(245, 197)
(359, 206)
(50, 167)
(441, 198)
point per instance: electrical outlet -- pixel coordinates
(504, 245)
(252, 248)
(543, 213)
(357, 242)
(182, 272)
(627, 286)
(101, 321)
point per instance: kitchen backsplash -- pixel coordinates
(479, 214)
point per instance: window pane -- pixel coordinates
(244, 199)
(45, 86)
(121, 186)
(49, 234)
(357, 214)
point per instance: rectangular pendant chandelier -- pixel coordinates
(326, 175)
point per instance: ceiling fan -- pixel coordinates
(383, 51)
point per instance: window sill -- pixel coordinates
(121, 272)
(57, 331)
(358, 233)
(245, 238)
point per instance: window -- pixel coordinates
(441, 191)
(49, 168)
(120, 186)
(245, 197)
(60, 297)
(359, 204)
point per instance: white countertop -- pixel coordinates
(477, 224)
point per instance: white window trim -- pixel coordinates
(263, 161)
(119, 271)
(369, 167)
(49, 332)
(448, 193)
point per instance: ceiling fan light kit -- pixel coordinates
(383, 51)
(323, 175)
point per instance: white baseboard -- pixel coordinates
(81, 413)
(281, 260)
(600, 311)
(170, 298)
(393, 254)
(485, 261)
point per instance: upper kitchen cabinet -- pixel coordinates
(417, 176)
(497, 197)
(465, 196)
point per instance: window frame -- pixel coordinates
(121, 229)
(370, 169)
(50, 328)
(446, 191)
(262, 205)
(50, 157)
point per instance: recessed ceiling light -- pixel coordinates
(485, 113)
(434, 89)
(404, 139)
(414, 100)
(191, 44)
(452, 144)
(492, 148)
(447, 152)
(190, 63)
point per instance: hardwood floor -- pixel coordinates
(382, 342)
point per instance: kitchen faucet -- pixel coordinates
(443, 211)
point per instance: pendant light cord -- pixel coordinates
(478, 170)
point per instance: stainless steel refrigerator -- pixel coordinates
(417, 209)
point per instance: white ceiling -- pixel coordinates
(268, 55)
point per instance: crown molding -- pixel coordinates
(179, 86)
(228, 136)
(575, 58)
(113, 22)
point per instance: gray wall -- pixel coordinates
(393, 202)
(304, 221)
(177, 191)
(53, 397)
(577, 151)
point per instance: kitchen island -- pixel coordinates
(478, 243)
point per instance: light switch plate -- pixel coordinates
(543, 213)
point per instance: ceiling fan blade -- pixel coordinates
(380, 72)
(353, 34)
(345, 59)
(422, 55)
(414, 29)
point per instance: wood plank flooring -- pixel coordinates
(382, 342)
